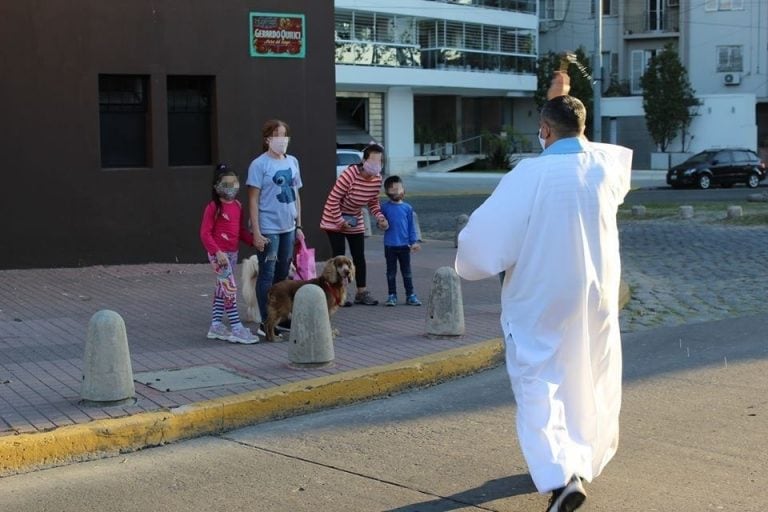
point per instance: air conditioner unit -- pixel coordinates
(731, 78)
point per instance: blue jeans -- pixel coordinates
(395, 255)
(274, 265)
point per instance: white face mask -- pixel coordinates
(541, 140)
(279, 145)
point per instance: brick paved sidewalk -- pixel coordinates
(44, 315)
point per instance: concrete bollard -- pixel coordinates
(310, 339)
(445, 308)
(107, 372)
(734, 212)
(367, 222)
(638, 210)
(461, 221)
(417, 227)
(686, 212)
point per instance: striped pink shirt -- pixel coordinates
(349, 194)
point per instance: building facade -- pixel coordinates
(423, 75)
(115, 118)
(722, 44)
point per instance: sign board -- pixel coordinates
(278, 35)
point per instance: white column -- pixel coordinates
(398, 130)
(614, 139)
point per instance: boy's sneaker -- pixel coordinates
(242, 334)
(391, 300)
(365, 298)
(219, 332)
(413, 300)
(568, 498)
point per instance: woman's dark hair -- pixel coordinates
(373, 148)
(219, 172)
(269, 128)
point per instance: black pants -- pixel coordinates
(356, 249)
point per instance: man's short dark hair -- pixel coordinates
(566, 115)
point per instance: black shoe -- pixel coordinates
(283, 326)
(347, 304)
(568, 498)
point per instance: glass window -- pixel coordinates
(385, 28)
(363, 26)
(454, 34)
(729, 59)
(343, 25)
(123, 120)
(491, 38)
(189, 120)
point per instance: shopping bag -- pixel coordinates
(304, 260)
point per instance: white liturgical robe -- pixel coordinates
(551, 226)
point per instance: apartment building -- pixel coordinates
(432, 72)
(722, 44)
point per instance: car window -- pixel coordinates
(702, 157)
(724, 157)
(743, 156)
(347, 159)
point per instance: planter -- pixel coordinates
(660, 161)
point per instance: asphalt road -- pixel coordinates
(693, 429)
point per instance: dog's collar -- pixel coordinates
(335, 293)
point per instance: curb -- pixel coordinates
(102, 438)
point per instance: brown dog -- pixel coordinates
(337, 273)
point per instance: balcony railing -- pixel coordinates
(648, 23)
(366, 53)
(524, 6)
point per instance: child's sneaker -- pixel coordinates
(242, 334)
(413, 300)
(391, 300)
(219, 332)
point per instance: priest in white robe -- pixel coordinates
(550, 226)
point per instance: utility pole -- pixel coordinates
(597, 74)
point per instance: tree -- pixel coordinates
(668, 98)
(581, 86)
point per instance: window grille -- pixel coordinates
(190, 102)
(123, 120)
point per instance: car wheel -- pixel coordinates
(753, 181)
(704, 182)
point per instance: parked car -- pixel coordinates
(722, 167)
(347, 157)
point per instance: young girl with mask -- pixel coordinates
(220, 231)
(273, 183)
(342, 219)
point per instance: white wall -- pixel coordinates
(420, 8)
(722, 120)
(455, 82)
(398, 130)
(748, 28)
